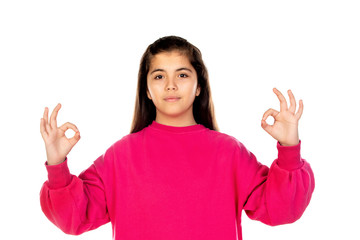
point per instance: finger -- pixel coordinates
(45, 116)
(270, 112)
(67, 126)
(267, 127)
(283, 103)
(292, 107)
(300, 110)
(75, 138)
(46, 123)
(43, 132)
(54, 115)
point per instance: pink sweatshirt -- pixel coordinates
(167, 182)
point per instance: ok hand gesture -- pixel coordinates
(285, 127)
(56, 143)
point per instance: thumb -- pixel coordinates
(270, 112)
(266, 126)
(75, 138)
(73, 127)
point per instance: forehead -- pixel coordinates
(173, 59)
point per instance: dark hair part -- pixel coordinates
(145, 110)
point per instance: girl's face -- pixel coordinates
(172, 86)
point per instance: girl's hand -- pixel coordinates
(56, 143)
(285, 127)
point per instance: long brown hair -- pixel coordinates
(145, 110)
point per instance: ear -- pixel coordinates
(198, 90)
(148, 94)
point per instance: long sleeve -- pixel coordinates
(74, 204)
(275, 195)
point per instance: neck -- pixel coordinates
(176, 122)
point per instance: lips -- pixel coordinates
(171, 98)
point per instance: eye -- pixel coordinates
(156, 77)
(183, 74)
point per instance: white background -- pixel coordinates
(86, 54)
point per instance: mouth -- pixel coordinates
(171, 99)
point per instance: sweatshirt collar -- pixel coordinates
(173, 129)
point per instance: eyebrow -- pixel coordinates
(162, 70)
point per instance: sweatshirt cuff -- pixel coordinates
(58, 175)
(289, 157)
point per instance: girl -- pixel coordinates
(175, 176)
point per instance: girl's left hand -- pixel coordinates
(285, 127)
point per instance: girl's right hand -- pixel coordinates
(56, 143)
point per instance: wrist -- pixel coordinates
(289, 144)
(55, 162)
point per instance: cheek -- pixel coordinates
(192, 88)
(153, 91)
(150, 89)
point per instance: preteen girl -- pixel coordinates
(175, 176)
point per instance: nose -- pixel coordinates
(171, 85)
(170, 88)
